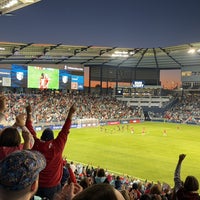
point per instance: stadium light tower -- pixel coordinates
(7, 6)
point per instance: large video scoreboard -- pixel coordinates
(42, 77)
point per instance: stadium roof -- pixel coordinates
(8, 6)
(173, 57)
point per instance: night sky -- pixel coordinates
(127, 23)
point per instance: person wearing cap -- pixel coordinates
(52, 149)
(19, 174)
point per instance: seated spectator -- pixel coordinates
(52, 149)
(19, 174)
(72, 165)
(156, 192)
(10, 139)
(188, 189)
(65, 174)
(101, 176)
(118, 183)
(167, 190)
(148, 188)
(68, 174)
(134, 192)
(156, 189)
(125, 194)
(86, 182)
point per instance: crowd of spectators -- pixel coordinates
(33, 174)
(186, 110)
(102, 108)
(53, 104)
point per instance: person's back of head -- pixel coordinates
(191, 184)
(84, 183)
(99, 192)
(101, 172)
(10, 137)
(47, 135)
(156, 189)
(125, 194)
(19, 173)
(145, 197)
(135, 186)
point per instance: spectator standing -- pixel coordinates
(10, 139)
(187, 190)
(52, 149)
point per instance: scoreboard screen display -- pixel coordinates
(138, 84)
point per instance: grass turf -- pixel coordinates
(148, 153)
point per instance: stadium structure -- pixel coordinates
(105, 64)
(133, 72)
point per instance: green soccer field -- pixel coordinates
(151, 152)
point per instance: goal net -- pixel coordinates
(87, 122)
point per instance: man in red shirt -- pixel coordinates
(52, 149)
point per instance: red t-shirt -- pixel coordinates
(52, 150)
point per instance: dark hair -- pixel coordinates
(145, 197)
(98, 191)
(125, 194)
(84, 183)
(135, 186)
(47, 135)
(10, 137)
(101, 172)
(156, 189)
(191, 183)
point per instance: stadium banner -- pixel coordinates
(74, 126)
(124, 122)
(134, 121)
(113, 122)
(102, 123)
(53, 127)
(56, 127)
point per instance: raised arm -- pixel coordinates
(61, 139)
(2, 108)
(71, 111)
(29, 121)
(20, 121)
(2, 103)
(28, 138)
(68, 120)
(177, 177)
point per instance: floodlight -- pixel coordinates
(191, 51)
(7, 6)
